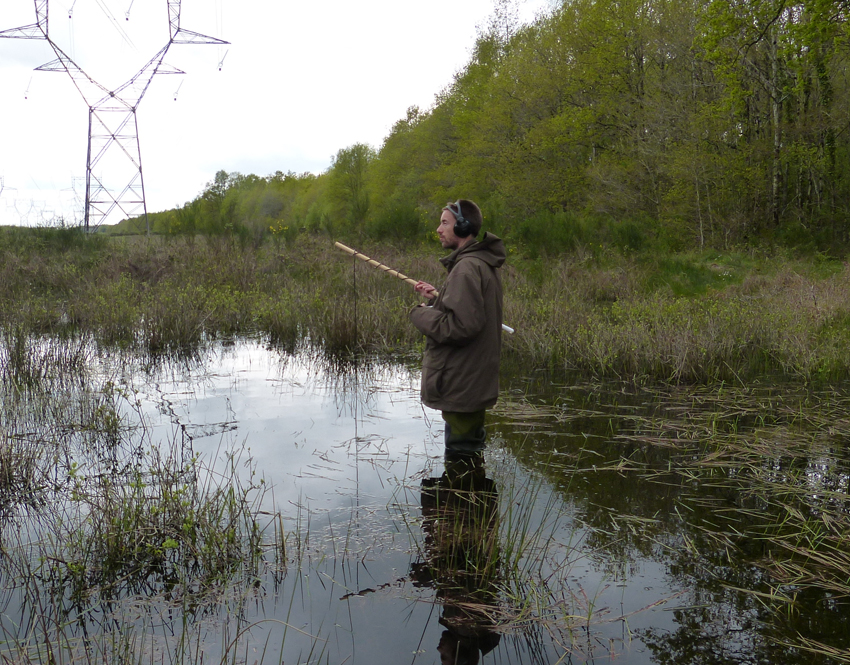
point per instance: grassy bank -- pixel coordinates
(688, 318)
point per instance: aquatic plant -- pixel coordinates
(742, 498)
(772, 491)
(96, 513)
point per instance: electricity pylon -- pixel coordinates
(112, 115)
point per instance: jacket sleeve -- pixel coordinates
(458, 315)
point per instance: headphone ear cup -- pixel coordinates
(463, 228)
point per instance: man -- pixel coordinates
(463, 328)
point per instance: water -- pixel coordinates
(592, 531)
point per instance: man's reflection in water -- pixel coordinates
(460, 511)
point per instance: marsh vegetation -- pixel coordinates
(238, 469)
(700, 317)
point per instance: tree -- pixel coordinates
(347, 186)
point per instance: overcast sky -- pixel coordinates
(298, 82)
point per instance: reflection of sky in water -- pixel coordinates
(351, 450)
(316, 438)
(345, 453)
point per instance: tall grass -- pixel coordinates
(689, 318)
(626, 322)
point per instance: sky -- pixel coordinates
(298, 82)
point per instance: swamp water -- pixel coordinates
(261, 506)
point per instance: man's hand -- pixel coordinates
(425, 290)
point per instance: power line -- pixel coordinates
(115, 24)
(113, 126)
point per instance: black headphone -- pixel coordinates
(463, 227)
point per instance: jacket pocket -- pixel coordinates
(434, 374)
(432, 380)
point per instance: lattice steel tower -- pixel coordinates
(112, 114)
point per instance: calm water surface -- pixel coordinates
(603, 552)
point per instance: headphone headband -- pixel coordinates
(463, 227)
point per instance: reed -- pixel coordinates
(685, 319)
(605, 322)
(693, 318)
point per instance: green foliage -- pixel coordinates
(248, 208)
(638, 125)
(348, 192)
(551, 233)
(109, 513)
(48, 239)
(660, 115)
(159, 526)
(684, 276)
(395, 223)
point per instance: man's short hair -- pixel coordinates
(472, 213)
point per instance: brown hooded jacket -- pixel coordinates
(463, 327)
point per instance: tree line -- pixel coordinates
(673, 123)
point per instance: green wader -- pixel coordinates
(465, 432)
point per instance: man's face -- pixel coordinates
(446, 231)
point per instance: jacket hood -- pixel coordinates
(489, 249)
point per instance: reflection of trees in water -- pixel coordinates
(461, 556)
(738, 494)
(718, 622)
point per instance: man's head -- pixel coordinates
(460, 222)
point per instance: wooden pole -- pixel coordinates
(379, 266)
(393, 272)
